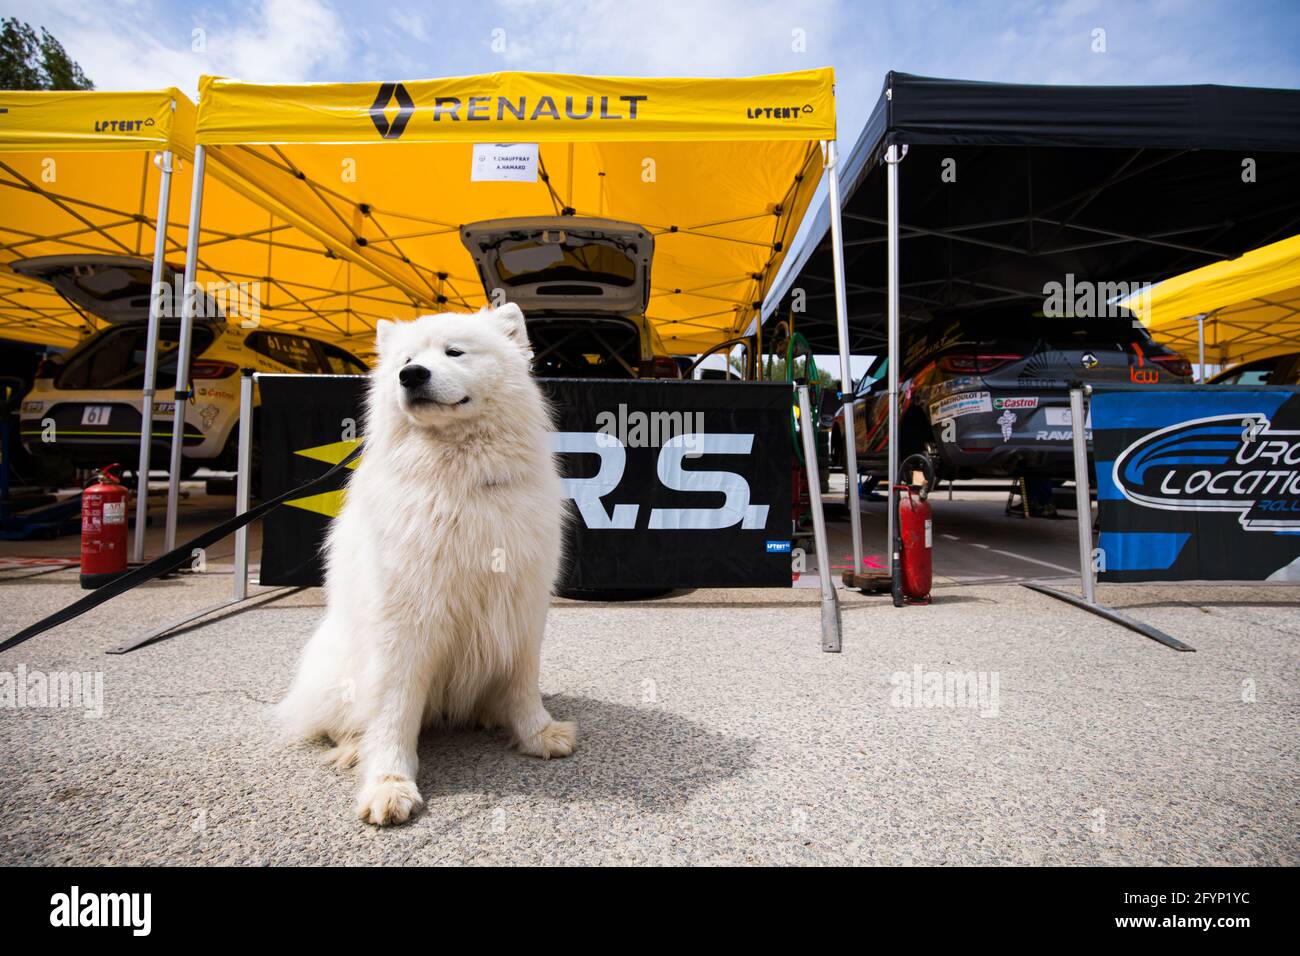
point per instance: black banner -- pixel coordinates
(307, 423)
(1198, 483)
(673, 484)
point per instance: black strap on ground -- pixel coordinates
(172, 559)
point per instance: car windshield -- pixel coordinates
(585, 348)
(111, 285)
(115, 359)
(878, 370)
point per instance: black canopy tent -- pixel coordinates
(1108, 184)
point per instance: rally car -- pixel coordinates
(583, 284)
(85, 406)
(988, 395)
(1274, 370)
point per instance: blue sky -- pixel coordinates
(144, 44)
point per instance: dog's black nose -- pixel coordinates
(413, 376)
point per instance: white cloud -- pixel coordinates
(124, 45)
(412, 24)
(286, 41)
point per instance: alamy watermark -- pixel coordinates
(1082, 299)
(638, 429)
(234, 301)
(71, 690)
(957, 690)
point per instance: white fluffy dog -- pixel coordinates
(441, 563)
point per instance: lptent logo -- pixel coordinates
(777, 112)
(1224, 463)
(122, 125)
(388, 92)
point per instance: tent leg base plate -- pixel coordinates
(1146, 630)
(878, 583)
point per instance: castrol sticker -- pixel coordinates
(1016, 402)
(114, 512)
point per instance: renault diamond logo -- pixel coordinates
(405, 110)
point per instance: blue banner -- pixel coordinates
(1198, 483)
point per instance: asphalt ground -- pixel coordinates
(713, 729)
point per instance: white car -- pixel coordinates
(584, 285)
(85, 406)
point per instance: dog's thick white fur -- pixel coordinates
(441, 564)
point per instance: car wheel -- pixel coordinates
(931, 451)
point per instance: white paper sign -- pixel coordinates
(504, 163)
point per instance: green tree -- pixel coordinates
(61, 71)
(20, 52)
(31, 62)
(774, 368)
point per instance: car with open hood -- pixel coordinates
(85, 406)
(584, 286)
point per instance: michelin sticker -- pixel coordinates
(967, 403)
(1006, 422)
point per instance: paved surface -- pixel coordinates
(713, 730)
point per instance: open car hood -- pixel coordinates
(564, 263)
(115, 289)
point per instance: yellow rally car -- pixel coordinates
(85, 406)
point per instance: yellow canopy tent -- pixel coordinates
(720, 171)
(1231, 312)
(80, 172)
(93, 172)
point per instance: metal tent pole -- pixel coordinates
(239, 601)
(846, 369)
(831, 625)
(1200, 343)
(189, 303)
(1083, 507)
(893, 156)
(151, 358)
(1082, 498)
(243, 481)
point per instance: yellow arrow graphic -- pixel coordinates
(328, 503)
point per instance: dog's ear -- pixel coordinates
(383, 333)
(510, 318)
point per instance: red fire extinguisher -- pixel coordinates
(103, 529)
(914, 537)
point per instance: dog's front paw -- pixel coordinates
(559, 738)
(388, 800)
